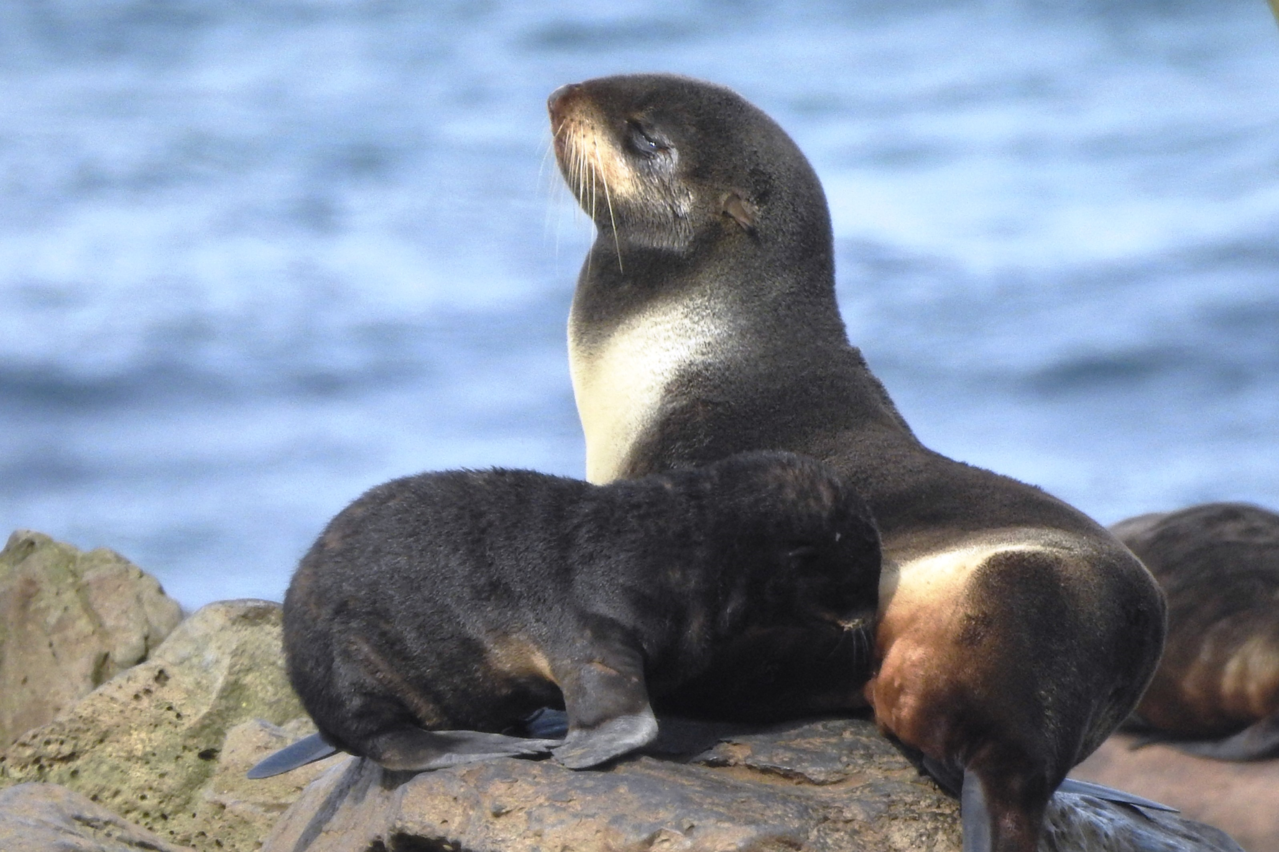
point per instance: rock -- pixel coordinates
(816, 786)
(69, 621)
(1241, 798)
(44, 817)
(240, 812)
(146, 743)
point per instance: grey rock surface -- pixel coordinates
(818, 787)
(240, 812)
(69, 621)
(49, 818)
(146, 743)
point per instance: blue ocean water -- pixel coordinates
(257, 257)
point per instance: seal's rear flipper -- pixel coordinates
(1259, 741)
(1110, 794)
(414, 749)
(304, 751)
(974, 815)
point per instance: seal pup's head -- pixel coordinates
(804, 542)
(668, 163)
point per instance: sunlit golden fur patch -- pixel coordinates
(389, 676)
(1250, 679)
(515, 657)
(924, 619)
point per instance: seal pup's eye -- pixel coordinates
(644, 141)
(804, 558)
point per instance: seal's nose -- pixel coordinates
(560, 98)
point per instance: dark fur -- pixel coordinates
(1218, 565)
(426, 603)
(1057, 645)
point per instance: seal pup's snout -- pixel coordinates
(861, 618)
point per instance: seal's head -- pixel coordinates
(666, 162)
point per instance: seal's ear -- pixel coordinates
(742, 211)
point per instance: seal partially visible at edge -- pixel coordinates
(1014, 633)
(1216, 691)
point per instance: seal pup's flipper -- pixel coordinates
(1258, 741)
(606, 699)
(587, 747)
(413, 749)
(304, 751)
(1110, 794)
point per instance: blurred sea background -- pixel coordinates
(256, 257)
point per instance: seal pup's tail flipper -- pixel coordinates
(408, 749)
(304, 751)
(413, 749)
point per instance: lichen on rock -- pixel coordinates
(44, 817)
(69, 621)
(146, 743)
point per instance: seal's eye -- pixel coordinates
(643, 141)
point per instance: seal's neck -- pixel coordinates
(650, 328)
(621, 371)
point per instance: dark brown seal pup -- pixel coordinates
(438, 611)
(1216, 691)
(1015, 633)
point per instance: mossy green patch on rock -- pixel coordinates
(238, 811)
(69, 621)
(145, 743)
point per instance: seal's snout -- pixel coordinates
(561, 98)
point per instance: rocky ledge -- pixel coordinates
(154, 759)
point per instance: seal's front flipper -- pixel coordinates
(304, 751)
(974, 815)
(586, 747)
(1110, 794)
(606, 698)
(414, 749)
(1259, 741)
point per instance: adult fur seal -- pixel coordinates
(438, 611)
(1014, 632)
(1216, 691)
